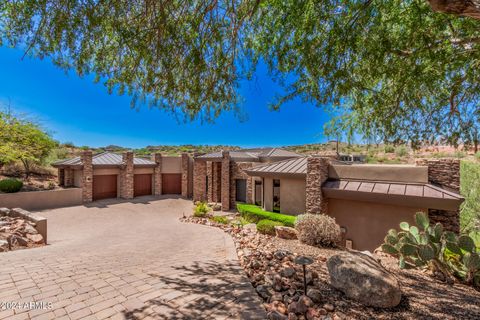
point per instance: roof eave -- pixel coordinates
(275, 174)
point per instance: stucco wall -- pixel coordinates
(292, 196)
(106, 171)
(143, 171)
(40, 200)
(400, 173)
(367, 223)
(171, 165)
(77, 178)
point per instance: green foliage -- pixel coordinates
(10, 185)
(23, 140)
(430, 246)
(401, 151)
(254, 214)
(266, 226)
(391, 69)
(389, 149)
(201, 210)
(477, 155)
(470, 189)
(220, 219)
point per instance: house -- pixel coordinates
(366, 200)
(110, 175)
(221, 176)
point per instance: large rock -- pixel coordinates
(285, 232)
(363, 279)
(3, 246)
(35, 238)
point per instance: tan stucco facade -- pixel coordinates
(384, 172)
(171, 164)
(367, 223)
(292, 196)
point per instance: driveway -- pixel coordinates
(127, 260)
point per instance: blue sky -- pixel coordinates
(77, 110)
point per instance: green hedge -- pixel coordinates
(266, 226)
(10, 185)
(254, 214)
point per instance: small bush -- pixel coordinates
(220, 219)
(201, 210)
(318, 230)
(389, 149)
(266, 226)
(401, 151)
(254, 214)
(10, 185)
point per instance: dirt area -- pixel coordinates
(423, 297)
(35, 182)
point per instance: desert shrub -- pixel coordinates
(443, 252)
(254, 214)
(318, 230)
(201, 210)
(266, 226)
(401, 151)
(220, 219)
(10, 185)
(389, 149)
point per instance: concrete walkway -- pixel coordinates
(127, 260)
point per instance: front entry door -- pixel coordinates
(241, 190)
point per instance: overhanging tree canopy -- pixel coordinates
(391, 69)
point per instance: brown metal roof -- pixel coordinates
(104, 159)
(296, 166)
(251, 155)
(399, 193)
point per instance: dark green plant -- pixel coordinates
(254, 214)
(266, 226)
(10, 185)
(430, 246)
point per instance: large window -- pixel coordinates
(276, 195)
(241, 190)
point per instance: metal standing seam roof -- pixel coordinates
(104, 159)
(297, 166)
(251, 154)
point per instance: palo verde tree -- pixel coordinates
(389, 69)
(24, 141)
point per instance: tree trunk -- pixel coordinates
(26, 165)
(467, 8)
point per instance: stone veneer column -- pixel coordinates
(317, 174)
(210, 186)
(225, 189)
(157, 174)
(126, 176)
(87, 176)
(217, 182)
(446, 174)
(68, 177)
(185, 177)
(199, 180)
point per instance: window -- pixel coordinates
(276, 195)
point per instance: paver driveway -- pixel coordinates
(129, 260)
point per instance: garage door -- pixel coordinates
(172, 183)
(104, 187)
(142, 185)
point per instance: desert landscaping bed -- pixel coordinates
(268, 262)
(18, 230)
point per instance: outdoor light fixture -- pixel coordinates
(304, 261)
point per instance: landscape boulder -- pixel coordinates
(4, 246)
(285, 232)
(362, 278)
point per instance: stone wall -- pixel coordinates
(61, 177)
(157, 174)
(185, 174)
(217, 181)
(87, 176)
(317, 174)
(126, 176)
(199, 180)
(68, 178)
(236, 172)
(444, 173)
(225, 193)
(210, 186)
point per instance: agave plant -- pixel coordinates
(430, 246)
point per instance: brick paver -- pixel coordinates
(128, 260)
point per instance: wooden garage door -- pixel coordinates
(172, 183)
(142, 185)
(104, 187)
